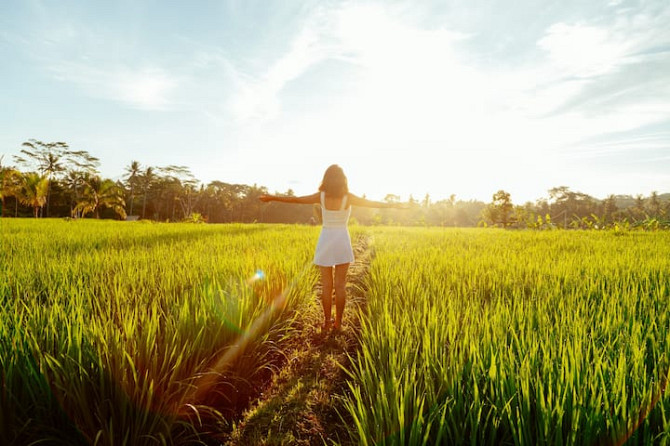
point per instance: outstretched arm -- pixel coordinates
(358, 201)
(305, 199)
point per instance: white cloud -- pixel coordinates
(257, 95)
(145, 88)
(593, 84)
(583, 51)
(141, 88)
(98, 61)
(389, 56)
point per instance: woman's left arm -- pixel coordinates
(305, 199)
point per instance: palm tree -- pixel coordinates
(81, 160)
(73, 182)
(48, 157)
(133, 175)
(147, 180)
(9, 184)
(34, 190)
(99, 194)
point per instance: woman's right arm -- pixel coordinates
(305, 199)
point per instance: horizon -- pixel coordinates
(409, 99)
(403, 198)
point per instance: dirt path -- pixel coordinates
(300, 404)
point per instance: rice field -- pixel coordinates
(114, 333)
(130, 333)
(494, 337)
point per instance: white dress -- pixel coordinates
(334, 245)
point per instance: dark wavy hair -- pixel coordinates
(334, 182)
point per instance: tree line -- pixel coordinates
(52, 180)
(564, 208)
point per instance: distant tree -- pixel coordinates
(440, 213)
(500, 210)
(542, 207)
(188, 196)
(220, 198)
(47, 158)
(567, 205)
(82, 161)
(147, 179)
(99, 194)
(79, 165)
(559, 194)
(654, 207)
(54, 159)
(178, 188)
(468, 213)
(173, 193)
(560, 198)
(524, 216)
(133, 172)
(452, 200)
(391, 198)
(73, 182)
(426, 201)
(34, 190)
(637, 211)
(609, 209)
(10, 183)
(250, 204)
(164, 193)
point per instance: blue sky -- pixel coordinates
(448, 97)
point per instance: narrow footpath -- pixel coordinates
(300, 404)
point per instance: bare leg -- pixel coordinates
(326, 293)
(340, 292)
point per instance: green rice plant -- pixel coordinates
(130, 333)
(126, 333)
(499, 337)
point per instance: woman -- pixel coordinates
(333, 250)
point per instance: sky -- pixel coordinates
(410, 97)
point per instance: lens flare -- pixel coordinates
(207, 380)
(258, 275)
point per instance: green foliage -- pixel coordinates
(195, 217)
(497, 337)
(10, 184)
(116, 333)
(99, 194)
(499, 212)
(172, 193)
(34, 190)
